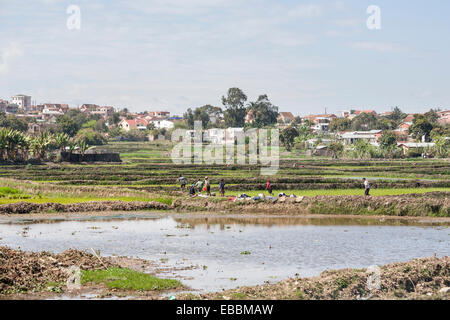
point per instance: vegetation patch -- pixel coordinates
(11, 193)
(127, 279)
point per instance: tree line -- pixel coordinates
(235, 109)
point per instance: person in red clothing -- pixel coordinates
(269, 186)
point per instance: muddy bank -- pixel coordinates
(93, 206)
(28, 271)
(435, 204)
(427, 278)
(42, 275)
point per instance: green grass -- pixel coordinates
(11, 193)
(342, 192)
(127, 279)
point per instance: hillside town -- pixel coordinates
(352, 133)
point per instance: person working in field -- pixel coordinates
(199, 185)
(269, 186)
(183, 182)
(207, 186)
(222, 187)
(366, 187)
(192, 190)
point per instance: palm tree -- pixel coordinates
(3, 142)
(442, 146)
(23, 146)
(83, 147)
(40, 145)
(362, 148)
(12, 144)
(61, 141)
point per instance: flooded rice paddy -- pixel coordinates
(215, 252)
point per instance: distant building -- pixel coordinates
(320, 122)
(104, 112)
(223, 136)
(318, 142)
(371, 136)
(409, 118)
(162, 124)
(3, 105)
(407, 146)
(53, 109)
(358, 112)
(286, 117)
(402, 136)
(12, 108)
(317, 118)
(88, 108)
(22, 101)
(37, 128)
(93, 109)
(351, 114)
(159, 114)
(444, 117)
(404, 127)
(133, 124)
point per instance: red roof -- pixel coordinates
(137, 122)
(409, 118)
(365, 111)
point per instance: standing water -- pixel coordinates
(215, 253)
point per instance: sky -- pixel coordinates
(307, 56)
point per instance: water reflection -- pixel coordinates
(206, 252)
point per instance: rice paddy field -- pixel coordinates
(147, 173)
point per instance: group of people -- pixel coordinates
(205, 185)
(269, 187)
(201, 185)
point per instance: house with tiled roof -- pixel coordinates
(351, 114)
(320, 122)
(286, 117)
(444, 117)
(409, 118)
(133, 124)
(358, 112)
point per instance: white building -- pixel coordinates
(321, 126)
(52, 112)
(22, 101)
(133, 124)
(162, 124)
(223, 136)
(371, 136)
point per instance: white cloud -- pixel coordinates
(379, 46)
(349, 23)
(7, 56)
(305, 11)
(424, 94)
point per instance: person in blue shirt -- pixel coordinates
(222, 187)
